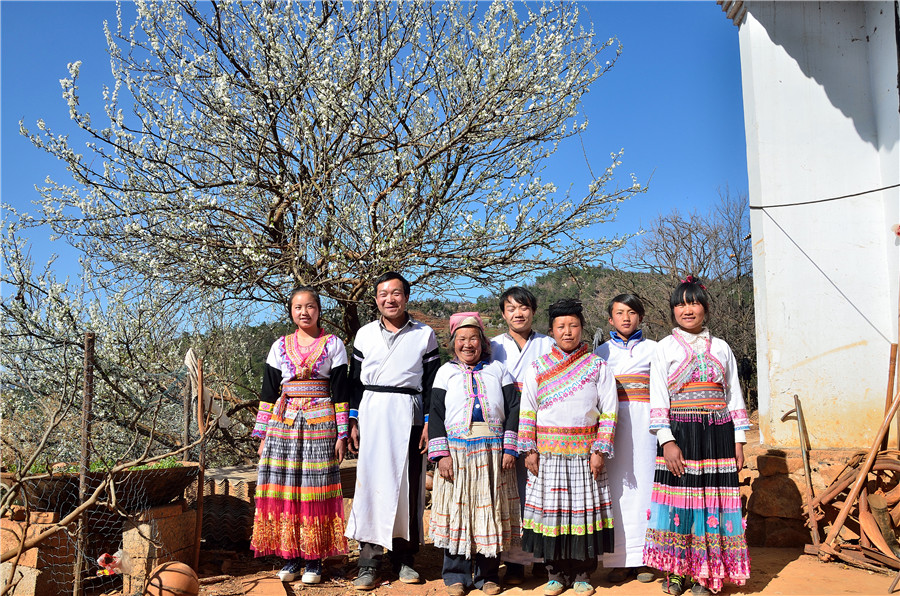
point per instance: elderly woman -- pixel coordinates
(566, 428)
(472, 437)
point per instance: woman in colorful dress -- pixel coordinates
(302, 421)
(631, 471)
(472, 436)
(696, 531)
(567, 424)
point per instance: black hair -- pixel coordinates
(566, 307)
(388, 276)
(629, 300)
(520, 295)
(690, 290)
(300, 290)
(485, 342)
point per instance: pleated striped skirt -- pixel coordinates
(695, 523)
(299, 506)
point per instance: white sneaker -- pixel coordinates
(313, 573)
(291, 570)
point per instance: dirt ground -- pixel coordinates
(774, 571)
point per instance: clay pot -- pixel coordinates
(429, 480)
(172, 579)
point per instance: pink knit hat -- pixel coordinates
(465, 319)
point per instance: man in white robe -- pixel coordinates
(517, 349)
(392, 370)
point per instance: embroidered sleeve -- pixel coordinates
(262, 419)
(438, 446)
(733, 394)
(342, 419)
(527, 435)
(659, 391)
(607, 404)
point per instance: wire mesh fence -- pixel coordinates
(92, 497)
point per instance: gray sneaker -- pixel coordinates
(367, 579)
(408, 575)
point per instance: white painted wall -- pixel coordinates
(822, 117)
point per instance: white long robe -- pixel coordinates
(505, 349)
(631, 471)
(380, 509)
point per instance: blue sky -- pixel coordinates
(673, 102)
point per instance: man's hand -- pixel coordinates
(531, 462)
(340, 449)
(423, 440)
(445, 468)
(354, 436)
(674, 459)
(596, 465)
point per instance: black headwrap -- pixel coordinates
(566, 307)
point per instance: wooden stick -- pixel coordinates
(863, 474)
(805, 448)
(892, 369)
(201, 426)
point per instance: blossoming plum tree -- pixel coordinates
(249, 146)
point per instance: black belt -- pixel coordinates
(384, 389)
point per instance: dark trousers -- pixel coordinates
(402, 550)
(569, 571)
(458, 570)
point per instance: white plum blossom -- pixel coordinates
(250, 146)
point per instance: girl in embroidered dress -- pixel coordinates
(567, 423)
(631, 472)
(472, 436)
(699, 418)
(302, 421)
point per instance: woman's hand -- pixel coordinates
(596, 465)
(340, 449)
(531, 462)
(739, 455)
(674, 459)
(509, 462)
(262, 442)
(445, 468)
(354, 436)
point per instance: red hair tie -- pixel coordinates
(690, 279)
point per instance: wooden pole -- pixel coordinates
(892, 369)
(863, 474)
(201, 427)
(87, 400)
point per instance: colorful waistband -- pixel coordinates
(306, 388)
(633, 387)
(699, 396)
(566, 440)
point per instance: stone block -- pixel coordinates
(775, 496)
(786, 533)
(172, 510)
(32, 582)
(770, 465)
(55, 550)
(165, 534)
